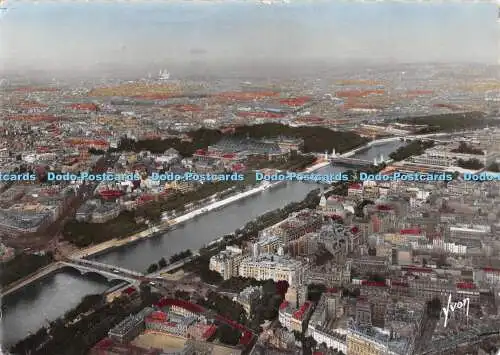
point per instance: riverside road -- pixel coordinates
(34, 306)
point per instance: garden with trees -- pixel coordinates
(472, 164)
(450, 122)
(23, 265)
(416, 147)
(316, 139)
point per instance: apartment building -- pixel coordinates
(321, 324)
(130, 327)
(294, 319)
(275, 267)
(402, 325)
(249, 297)
(227, 262)
(297, 225)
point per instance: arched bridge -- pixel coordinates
(110, 272)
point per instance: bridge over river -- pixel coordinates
(110, 272)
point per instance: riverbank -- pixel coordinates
(172, 223)
(167, 224)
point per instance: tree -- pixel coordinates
(146, 294)
(22, 265)
(356, 292)
(473, 164)
(494, 167)
(467, 149)
(442, 261)
(308, 344)
(434, 307)
(314, 292)
(269, 288)
(152, 268)
(162, 263)
(182, 295)
(414, 148)
(376, 277)
(282, 287)
(227, 335)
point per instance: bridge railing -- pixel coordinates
(106, 267)
(103, 271)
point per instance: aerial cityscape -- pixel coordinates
(249, 177)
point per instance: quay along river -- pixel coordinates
(32, 307)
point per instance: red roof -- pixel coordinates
(299, 101)
(146, 198)
(111, 193)
(159, 315)
(490, 269)
(209, 331)
(384, 207)
(411, 231)
(354, 230)
(356, 186)
(310, 119)
(84, 107)
(32, 104)
(229, 155)
(335, 216)
(238, 167)
(246, 338)
(192, 307)
(299, 314)
(104, 343)
(466, 285)
(130, 290)
(284, 304)
(200, 152)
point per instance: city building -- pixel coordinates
(322, 322)
(294, 319)
(275, 267)
(6, 253)
(249, 297)
(297, 225)
(130, 327)
(403, 321)
(227, 262)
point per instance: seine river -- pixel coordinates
(34, 306)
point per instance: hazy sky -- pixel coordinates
(56, 35)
